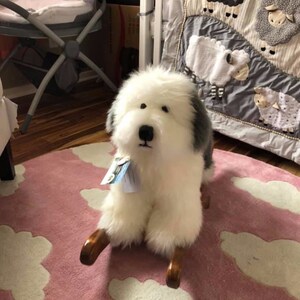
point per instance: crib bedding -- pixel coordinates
(247, 72)
(50, 11)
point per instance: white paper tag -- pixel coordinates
(131, 181)
(117, 170)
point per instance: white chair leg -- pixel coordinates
(94, 67)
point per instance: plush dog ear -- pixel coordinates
(202, 128)
(110, 120)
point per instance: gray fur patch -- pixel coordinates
(208, 159)
(283, 34)
(110, 120)
(202, 130)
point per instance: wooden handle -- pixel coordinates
(174, 269)
(205, 198)
(205, 201)
(93, 246)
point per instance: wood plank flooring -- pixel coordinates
(63, 122)
(79, 118)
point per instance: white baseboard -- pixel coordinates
(19, 91)
(29, 89)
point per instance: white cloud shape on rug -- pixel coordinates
(8, 188)
(96, 154)
(94, 197)
(131, 289)
(273, 263)
(21, 271)
(278, 193)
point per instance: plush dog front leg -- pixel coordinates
(175, 266)
(175, 221)
(124, 216)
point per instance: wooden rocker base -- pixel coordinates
(205, 200)
(93, 246)
(174, 269)
(99, 240)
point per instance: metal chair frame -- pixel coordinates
(71, 49)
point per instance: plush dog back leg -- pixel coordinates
(208, 163)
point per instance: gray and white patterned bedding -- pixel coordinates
(244, 57)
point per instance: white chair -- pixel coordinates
(8, 122)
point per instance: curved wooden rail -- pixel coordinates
(93, 246)
(175, 268)
(99, 240)
(205, 202)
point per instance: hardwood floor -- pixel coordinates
(79, 118)
(63, 122)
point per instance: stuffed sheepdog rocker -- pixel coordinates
(163, 138)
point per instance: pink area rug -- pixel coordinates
(249, 247)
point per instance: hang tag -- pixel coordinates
(116, 171)
(131, 181)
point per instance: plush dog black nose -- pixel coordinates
(146, 133)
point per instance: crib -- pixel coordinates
(245, 69)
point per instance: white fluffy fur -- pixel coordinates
(167, 210)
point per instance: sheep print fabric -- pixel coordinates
(244, 58)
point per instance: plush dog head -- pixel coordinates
(158, 114)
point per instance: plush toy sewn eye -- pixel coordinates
(165, 109)
(143, 106)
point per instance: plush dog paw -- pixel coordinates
(161, 244)
(124, 217)
(122, 233)
(167, 230)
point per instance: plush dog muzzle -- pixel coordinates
(146, 134)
